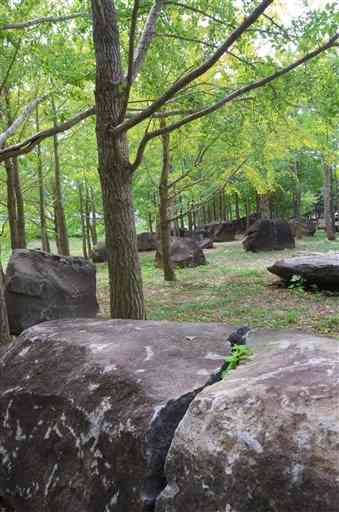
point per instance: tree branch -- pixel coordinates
(45, 19)
(20, 119)
(27, 145)
(196, 72)
(146, 37)
(228, 98)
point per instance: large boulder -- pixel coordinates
(268, 235)
(41, 287)
(89, 407)
(184, 252)
(320, 270)
(99, 253)
(301, 228)
(266, 438)
(147, 242)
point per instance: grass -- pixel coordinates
(234, 288)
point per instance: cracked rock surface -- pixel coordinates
(266, 438)
(89, 408)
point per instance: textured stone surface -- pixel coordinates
(88, 409)
(99, 253)
(320, 270)
(147, 242)
(184, 252)
(221, 231)
(41, 286)
(206, 243)
(266, 439)
(268, 235)
(301, 228)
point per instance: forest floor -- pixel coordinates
(235, 288)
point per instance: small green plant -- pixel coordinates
(238, 354)
(296, 283)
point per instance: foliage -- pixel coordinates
(239, 353)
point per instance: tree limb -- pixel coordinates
(228, 98)
(146, 37)
(44, 19)
(20, 119)
(27, 145)
(196, 72)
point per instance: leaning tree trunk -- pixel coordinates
(42, 204)
(63, 245)
(165, 236)
(328, 203)
(126, 293)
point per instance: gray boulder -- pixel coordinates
(88, 410)
(322, 271)
(147, 242)
(266, 438)
(99, 253)
(41, 287)
(184, 252)
(268, 235)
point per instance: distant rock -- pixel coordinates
(99, 253)
(266, 438)
(320, 270)
(268, 235)
(184, 252)
(221, 231)
(41, 287)
(301, 228)
(88, 410)
(147, 242)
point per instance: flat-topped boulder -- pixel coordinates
(147, 241)
(320, 270)
(184, 252)
(268, 235)
(42, 287)
(265, 439)
(89, 407)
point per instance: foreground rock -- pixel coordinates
(147, 242)
(88, 410)
(41, 286)
(322, 271)
(99, 253)
(184, 252)
(269, 235)
(266, 438)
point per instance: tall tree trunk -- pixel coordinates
(328, 203)
(21, 224)
(63, 245)
(126, 293)
(5, 336)
(88, 221)
(237, 208)
(94, 218)
(83, 223)
(42, 205)
(11, 205)
(297, 192)
(165, 240)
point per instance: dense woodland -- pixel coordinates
(160, 115)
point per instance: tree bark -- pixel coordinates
(83, 224)
(165, 239)
(21, 224)
(115, 170)
(42, 205)
(94, 218)
(88, 221)
(328, 203)
(11, 205)
(63, 243)
(5, 336)
(237, 207)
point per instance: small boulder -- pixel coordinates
(266, 438)
(268, 235)
(184, 252)
(147, 242)
(319, 270)
(99, 253)
(41, 287)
